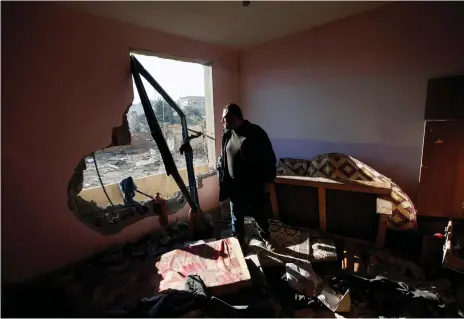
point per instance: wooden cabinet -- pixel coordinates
(441, 187)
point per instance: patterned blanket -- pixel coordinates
(344, 168)
(289, 245)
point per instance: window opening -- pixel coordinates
(117, 186)
(157, 133)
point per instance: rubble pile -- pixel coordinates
(121, 282)
(137, 161)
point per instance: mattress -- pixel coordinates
(220, 264)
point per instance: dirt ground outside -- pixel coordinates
(143, 159)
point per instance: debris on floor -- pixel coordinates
(385, 264)
(299, 273)
(302, 279)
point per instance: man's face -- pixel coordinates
(226, 119)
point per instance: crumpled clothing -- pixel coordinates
(173, 303)
(382, 263)
(390, 298)
(195, 285)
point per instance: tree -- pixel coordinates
(193, 115)
(163, 111)
(143, 122)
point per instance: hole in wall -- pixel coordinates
(101, 188)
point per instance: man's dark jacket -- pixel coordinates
(258, 157)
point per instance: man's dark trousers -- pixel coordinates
(251, 204)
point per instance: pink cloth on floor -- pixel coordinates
(220, 264)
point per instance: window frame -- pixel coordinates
(190, 193)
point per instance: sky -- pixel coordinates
(176, 77)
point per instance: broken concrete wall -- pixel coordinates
(66, 83)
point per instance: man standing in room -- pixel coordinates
(246, 168)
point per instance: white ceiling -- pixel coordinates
(227, 22)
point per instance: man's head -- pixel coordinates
(232, 116)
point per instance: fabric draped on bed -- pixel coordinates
(344, 168)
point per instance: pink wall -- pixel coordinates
(65, 83)
(357, 85)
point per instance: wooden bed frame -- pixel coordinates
(322, 184)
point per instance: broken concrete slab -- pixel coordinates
(335, 302)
